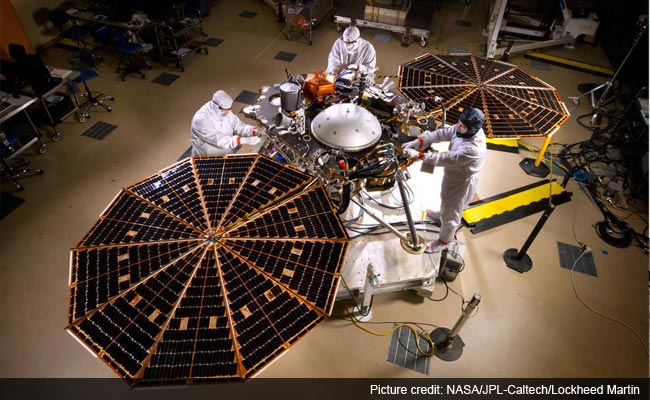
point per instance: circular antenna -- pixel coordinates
(346, 127)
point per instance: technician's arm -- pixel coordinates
(439, 135)
(334, 60)
(369, 62)
(451, 159)
(206, 133)
(242, 129)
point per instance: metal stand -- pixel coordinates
(448, 345)
(519, 260)
(540, 170)
(495, 25)
(372, 279)
(597, 106)
(536, 167)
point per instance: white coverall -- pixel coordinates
(213, 134)
(462, 162)
(364, 56)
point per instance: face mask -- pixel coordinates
(351, 47)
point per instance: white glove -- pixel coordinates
(413, 144)
(353, 67)
(410, 153)
(252, 140)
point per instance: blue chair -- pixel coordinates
(68, 27)
(92, 99)
(131, 57)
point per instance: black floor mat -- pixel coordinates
(165, 79)
(568, 256)
(403, 351)
(246, 97)
(8, 203)
(285, 56)
(99, 131)
(213, 42)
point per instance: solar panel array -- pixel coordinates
(515, 103)
(206, 271)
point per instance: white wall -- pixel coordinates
(33, 16)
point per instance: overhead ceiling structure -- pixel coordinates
(206, 271)
(515, 103)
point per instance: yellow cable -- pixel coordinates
(426, 337)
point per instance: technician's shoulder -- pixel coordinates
(202, 112)
(481, 139)
(367, 44)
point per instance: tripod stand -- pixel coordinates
(597, 106)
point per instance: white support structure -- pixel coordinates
(562, 34)
(494, 26)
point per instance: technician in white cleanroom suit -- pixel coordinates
(351, 52)
(216, 131)
(462, 162)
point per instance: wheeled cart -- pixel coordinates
(408, 17)
(179, 39)
(302, 16)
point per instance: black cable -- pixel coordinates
(446, 291)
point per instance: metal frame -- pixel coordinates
(496, 25)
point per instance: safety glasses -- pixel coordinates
(218, 106)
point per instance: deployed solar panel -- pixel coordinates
(206, 271)
(515, 103)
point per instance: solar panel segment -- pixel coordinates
(206, 271)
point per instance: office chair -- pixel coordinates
(131, 56)
(41, 81)
(68, 28)
(14, 168)
(14, 80)
(17, 52)
(92, 99)
(33, 69)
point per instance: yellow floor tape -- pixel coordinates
(573, 64)
(509, 203)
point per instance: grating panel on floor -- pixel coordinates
(463, 22)
(165, 79)
(248, 14)
(246, 97)
(382, 37)
(457, 50)
(403, 351)
(99, 130)
(213, 42)
(541, 66)
(570, 254)
(285, 56)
